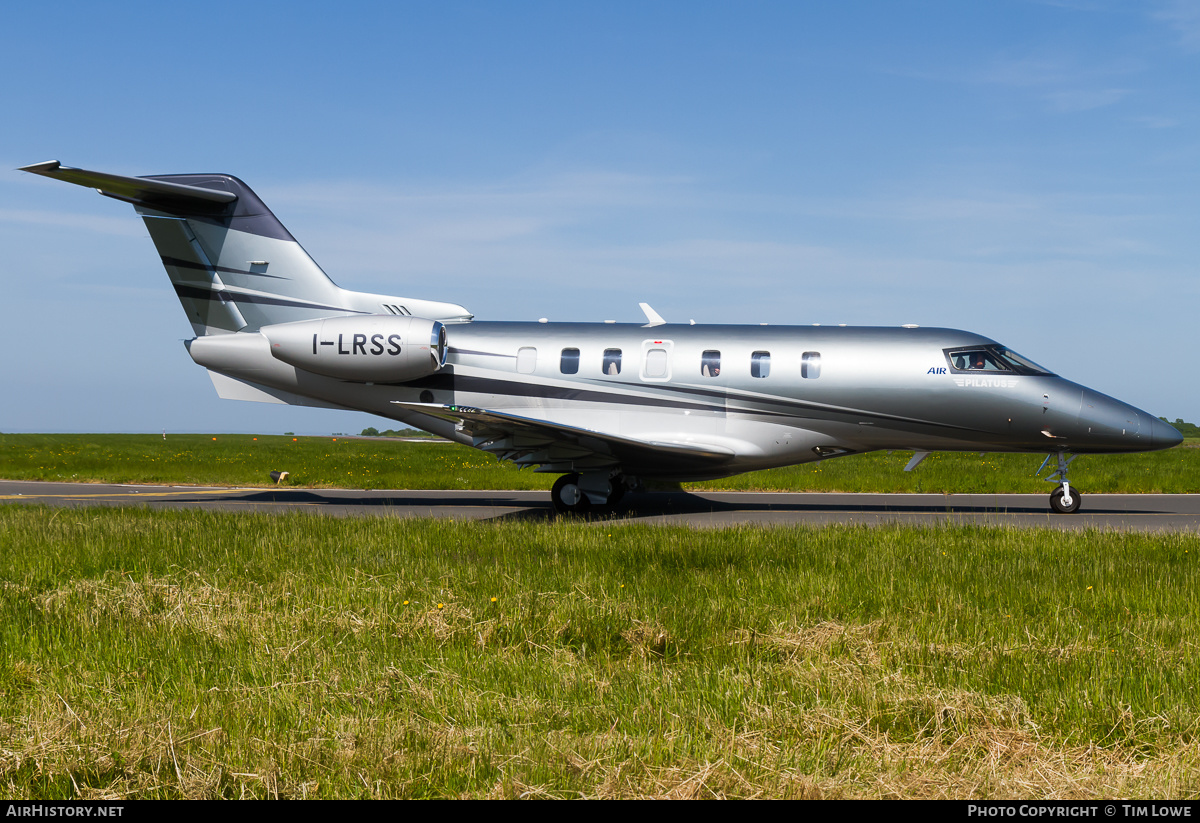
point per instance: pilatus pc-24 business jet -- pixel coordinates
(606, 405)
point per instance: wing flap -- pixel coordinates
(559, 447)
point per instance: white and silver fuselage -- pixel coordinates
(767, 395)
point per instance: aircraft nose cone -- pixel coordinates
(1163, 435)
(1110, 419)
(1108, 423)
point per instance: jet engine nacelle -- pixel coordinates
(370, 349)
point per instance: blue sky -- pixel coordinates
(1026, 170)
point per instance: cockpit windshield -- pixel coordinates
(1023, 363)
(992, 358)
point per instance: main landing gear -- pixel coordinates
(579, 493)
(1064, 499)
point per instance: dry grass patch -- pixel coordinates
(649, 640)
(195, 605)
(859, 642)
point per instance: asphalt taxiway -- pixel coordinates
(1137, 512)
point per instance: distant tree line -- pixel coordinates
(371, 431)
(1186, 429)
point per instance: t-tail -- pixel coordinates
(234, 266)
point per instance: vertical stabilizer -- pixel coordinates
(233, 264)
(239, 269)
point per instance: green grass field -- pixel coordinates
(191, 654)
(243, 460)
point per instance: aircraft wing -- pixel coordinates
(557, 447)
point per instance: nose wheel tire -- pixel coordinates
(1056, 501)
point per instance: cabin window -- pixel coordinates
(656, 363)
(612, 362)
(526, 360)
(810, 365)
(710, 363)
(569, 364)
(760, 364)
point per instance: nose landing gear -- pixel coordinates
(1064, 499)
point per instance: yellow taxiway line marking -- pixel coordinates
(126, 494)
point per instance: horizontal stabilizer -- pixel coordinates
(231, 388)
(154, 193)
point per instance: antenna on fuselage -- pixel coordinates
(654, 318)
